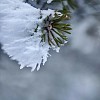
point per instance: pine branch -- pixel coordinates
(53, 28)
(34, 31)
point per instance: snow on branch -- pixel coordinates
(23, 31)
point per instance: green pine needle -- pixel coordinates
(54, 29)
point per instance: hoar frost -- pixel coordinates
(18, 20)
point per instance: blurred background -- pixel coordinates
(72, 74)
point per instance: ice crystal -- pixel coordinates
(18, 20)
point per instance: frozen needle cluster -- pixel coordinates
(20, 33)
